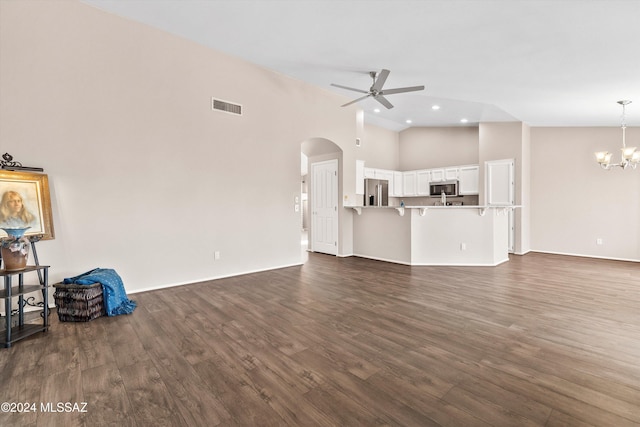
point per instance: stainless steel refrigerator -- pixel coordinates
(376, 192)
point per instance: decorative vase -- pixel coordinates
(15, 249)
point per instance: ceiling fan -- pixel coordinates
(376, 90)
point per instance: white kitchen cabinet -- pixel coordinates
(369, 173)
(378, 174)
(385, 174)
(451, 174)
(415, 183)
(360, 176)
(437, 175)
(396, 189)
(409, 180)
(469, 177)
(423, 178)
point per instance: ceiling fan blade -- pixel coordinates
(349, 88)
(401, 90)
(382, 77)
(356, 100)
(382, 100)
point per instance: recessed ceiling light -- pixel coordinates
(435, 107)
(376, 110)
(463, 120)
(409, 121)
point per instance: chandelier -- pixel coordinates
(630, 156)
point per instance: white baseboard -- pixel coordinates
(394, 261)
(433, 264)
(522, 253)
(585, 255)
(345, 255)
(206, 279)
(459, 264)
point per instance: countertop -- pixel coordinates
(423, 209)
(437, 207)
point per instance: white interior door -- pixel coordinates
(324, 209)
(500, 190)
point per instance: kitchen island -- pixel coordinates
(432, 235)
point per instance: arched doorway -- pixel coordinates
(323, 191)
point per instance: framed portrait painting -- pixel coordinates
(25, 202)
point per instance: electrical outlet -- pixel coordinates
(599, 241)
(216, 255)
(463, 246)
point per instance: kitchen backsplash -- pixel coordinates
(431, 201)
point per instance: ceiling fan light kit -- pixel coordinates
(376, 90)
(630, 157)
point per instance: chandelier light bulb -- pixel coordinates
(627, 152)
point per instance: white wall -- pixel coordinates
(425, 148)
(574, 202)
(382, 234)
(438, 236)
(379, 148)
(145, 178)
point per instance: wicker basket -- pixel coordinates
(78, 303)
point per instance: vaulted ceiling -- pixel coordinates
(543, 62)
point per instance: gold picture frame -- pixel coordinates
(33, 191)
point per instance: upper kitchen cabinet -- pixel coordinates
(396, 189)
(385, 174)
(369, 173)
(437, 175)
(451, 174)
(445, 174)
(469, 180)
(378, 174)
(415, 183)
(423, 178)
(409, 180)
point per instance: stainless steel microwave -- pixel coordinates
(449, 188)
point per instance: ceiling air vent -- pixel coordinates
(225, 106)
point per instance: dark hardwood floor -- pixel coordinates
(542, 340)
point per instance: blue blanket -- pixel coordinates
(115, 297)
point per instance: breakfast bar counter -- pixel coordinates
(432, 235)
